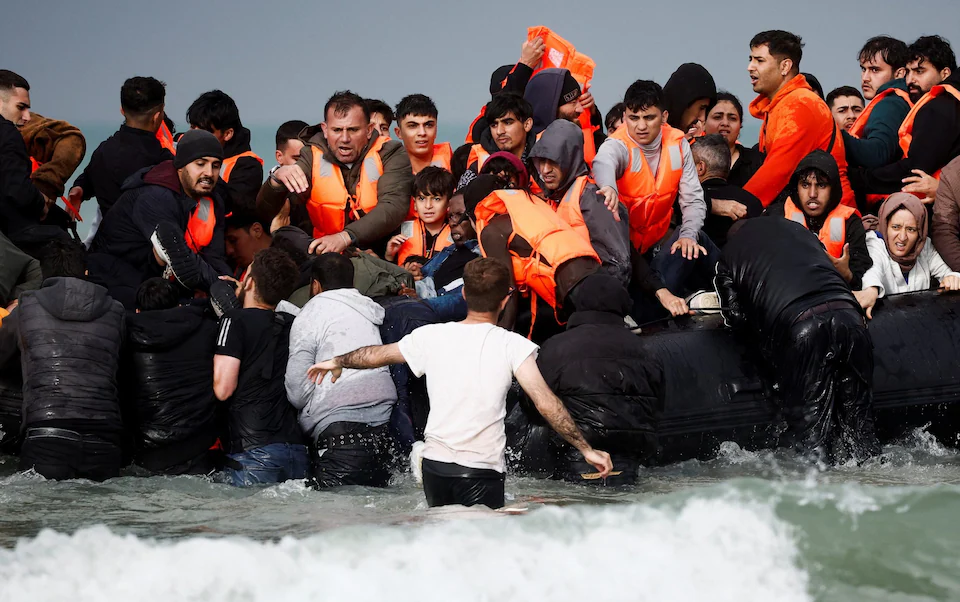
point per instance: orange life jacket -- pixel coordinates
(861, 123)
(166, 138)
(226, 167)
(416, 244)
(478, 155)
(442, 157)
(649, 197)
(3, 314)
(833, 233)
(553, 241)
(74, 211)
(200, 227)
(569, 207)
(906, 128)
(329, 197)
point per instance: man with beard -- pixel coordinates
(171, 213)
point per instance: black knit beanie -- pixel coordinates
(197, 144)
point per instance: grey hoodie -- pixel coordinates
(331, 324)
(562, 143)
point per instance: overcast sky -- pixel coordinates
(281, 60)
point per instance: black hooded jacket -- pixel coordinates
(168, 382)
(508, 78)
(688, 83)
(21, 204)
(246, 177)
(860, 260)
(543, 94)
(70, 337)
(612, 387)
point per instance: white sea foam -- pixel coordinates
(707, 549)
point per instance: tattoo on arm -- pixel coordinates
(374, 356)
(549, 405)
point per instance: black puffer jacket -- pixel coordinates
(613, 389)
(70, 337)
(169, 383)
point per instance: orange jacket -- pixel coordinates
(226, 167)
(416, 244)
(200, 227)
(906, 128)
(553, 241)
(861, 123)
(795, 123)
(329, 198)
(649, 197)
(833, 233)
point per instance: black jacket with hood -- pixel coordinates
(122, 254)
(688, 83)
(612, 387)
(508, 78)
(246, 177)
(167, 382)
(860, 260)
(543, 93)
(21, 204)
(71, 332)
(562, 143)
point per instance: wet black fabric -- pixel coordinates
(748, 164)
(11, 384)
(446, 484)
(717, 226)
(21, 204)
(825, 368)
(63, 454)
(366, 463)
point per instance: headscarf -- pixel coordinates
(895, 202)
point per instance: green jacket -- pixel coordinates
(372, 276)
(880, 144)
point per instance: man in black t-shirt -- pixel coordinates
(265, 444)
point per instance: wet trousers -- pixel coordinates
(446, 484)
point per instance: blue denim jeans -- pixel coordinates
(274, 463)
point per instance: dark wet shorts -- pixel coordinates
(446, 484)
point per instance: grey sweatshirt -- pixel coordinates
(613, 159)
(331, 324)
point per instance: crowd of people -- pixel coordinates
(423, 277)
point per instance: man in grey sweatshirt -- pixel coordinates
(345, 421)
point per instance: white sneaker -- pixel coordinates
(704, 302)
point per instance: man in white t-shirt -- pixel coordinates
(470, 366)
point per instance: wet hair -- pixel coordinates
(781, 44)
(714, 151)
(893, 51)
(284, 243)
(289, 130)
(643, 94)
(61, 258)
(214, 110)
(434, 180)
(508, 102)
(486, 281)
(244, 219)
(497, 165)
(375, 105)
(275, 274)
(615, 113)
(157, 293)
(722, 96)
(139, 96)
(341, 103)
(842, 91)
(10, 80)
(332, 271)
(821, 176)
(417, 105)
(935, 50)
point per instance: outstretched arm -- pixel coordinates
(553, 410)
(374, 356)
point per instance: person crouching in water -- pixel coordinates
(465, 441)
(904, 259)
(814, 203)
(429, 233)
(265, 444)
(775, 281)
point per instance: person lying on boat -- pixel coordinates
(904, 259)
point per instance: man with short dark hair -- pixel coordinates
(71, 332)
(795, 120)
(727, 203)
(463, 456)
(265, 444)
(244, 236)
(346, 420)
(510, 119)
(381, 116)
(873, 140)
(357, 181)
(614, 118)
(241, 169)
(417, 129)
(846, 104)
(288, 141)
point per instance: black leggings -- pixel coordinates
(447, 484)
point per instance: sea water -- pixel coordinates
(746, 526)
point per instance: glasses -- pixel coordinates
(455, 219)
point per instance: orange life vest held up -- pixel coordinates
(569, 208)
(417, 244)
(649, 197)
(833, 233)
(553, 241)
(329, 197)
(200, 227)
(226, 167)
(861, 123)
(906, 128)
(165, 136)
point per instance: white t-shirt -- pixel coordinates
(469, 369)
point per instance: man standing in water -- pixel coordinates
(463, 455)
